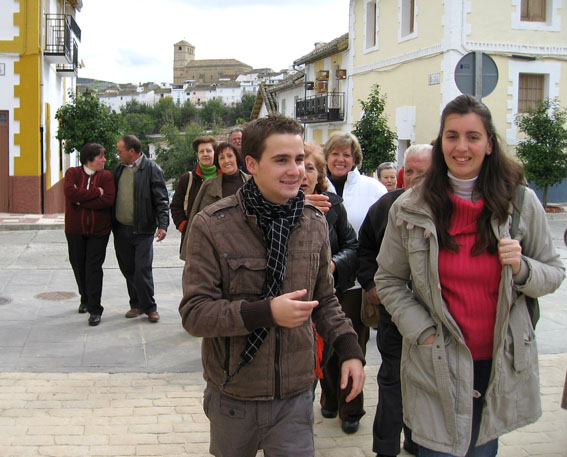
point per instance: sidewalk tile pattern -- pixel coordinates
(160, 414)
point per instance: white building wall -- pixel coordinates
(51, 94)
(9, 102)
(180, 95)
(263, 111)
(229, 96)
(55, 91)
(7, 28)
(290, 96)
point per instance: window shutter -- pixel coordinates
(531, 88)
(533, 10)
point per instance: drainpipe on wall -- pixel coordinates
(42, 176)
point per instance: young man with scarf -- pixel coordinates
(257, 276)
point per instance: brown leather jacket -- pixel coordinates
(222, 302)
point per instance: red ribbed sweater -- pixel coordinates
(470, 283)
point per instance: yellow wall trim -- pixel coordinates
(29, 90)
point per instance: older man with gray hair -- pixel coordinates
(388, 421)
(235, 138)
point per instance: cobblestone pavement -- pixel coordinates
(160, 414)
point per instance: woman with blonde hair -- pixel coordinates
(342, 237)
(344, 155)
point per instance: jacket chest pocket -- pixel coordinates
(301, 271)
(418, 256)
(246, 275)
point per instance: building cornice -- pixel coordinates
(397, 60)
(490, 48)
(518, 48)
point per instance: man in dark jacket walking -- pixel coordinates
(257, 276)
(388, 420)
(142, 205)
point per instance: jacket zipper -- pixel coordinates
(227, 356)
(277, 364)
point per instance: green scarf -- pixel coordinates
(208, 172)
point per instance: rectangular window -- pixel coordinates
(371, 24)
(533, 10)
(530, 91)
(408, 17)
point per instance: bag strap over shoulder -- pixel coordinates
(531, 303)
(189, 184)
(518, 203)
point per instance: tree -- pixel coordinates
(377, 141)
(87, 120)
(213, 113)
(242, 110)
(544, 152)
(140, 125)
(165, 112)
(178, 156)
(135, 107)
(188, 113)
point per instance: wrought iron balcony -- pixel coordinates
(58, 39)
(70, 69)
(327, 107)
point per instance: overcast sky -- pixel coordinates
(132, 40)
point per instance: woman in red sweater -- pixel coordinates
(89, 193)
(469, 358)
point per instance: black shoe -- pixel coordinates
(83, 308)
(329, 414)
(94, 320)
(350, 426)
(410, 446)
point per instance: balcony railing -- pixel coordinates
(327, 107)
(58, 38)
(70, 69)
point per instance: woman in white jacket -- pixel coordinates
(343, 155)
(469, 359)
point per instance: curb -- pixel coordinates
(16, 227)
(45, 224)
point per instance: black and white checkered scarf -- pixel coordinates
(276, 222)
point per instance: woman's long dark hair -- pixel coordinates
(496, 183)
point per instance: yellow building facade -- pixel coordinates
(38, 66)
(411, 48)
(322, 104)
(318, 95)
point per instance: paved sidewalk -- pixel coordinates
(12, 221)
(161, 414)
(132, 388)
